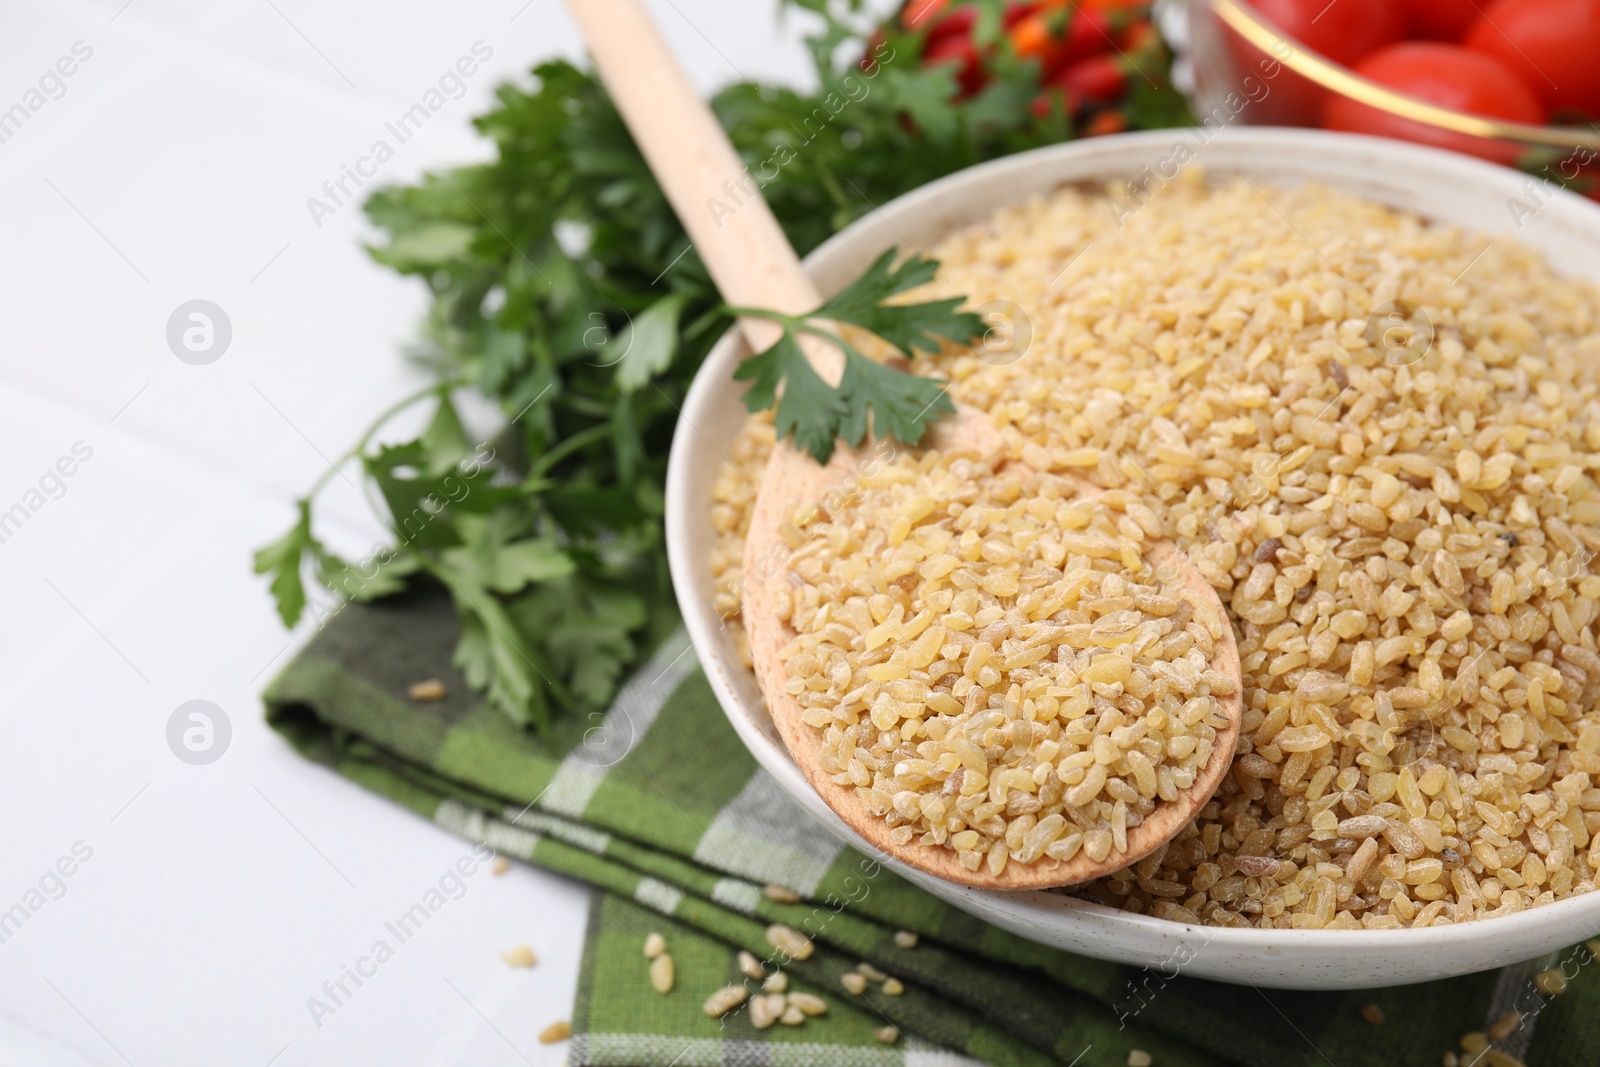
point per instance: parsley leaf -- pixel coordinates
(909, 327)
(650, 342)
(282, 559)
(811, 411)
(901, 404)
(870, 397)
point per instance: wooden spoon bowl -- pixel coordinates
(792, 481)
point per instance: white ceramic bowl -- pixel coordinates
(1439, 185)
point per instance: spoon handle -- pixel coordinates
(713, 193)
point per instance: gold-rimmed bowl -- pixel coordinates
(1248, 71)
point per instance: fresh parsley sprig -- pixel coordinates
(870, 396)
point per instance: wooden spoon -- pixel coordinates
(753, 265)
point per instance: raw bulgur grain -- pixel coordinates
(1495, 1058)
(790, 942)
(735, 494)
(806, 1002)
(1405, 544)
(1505, 1026)
(725, 1000)
(662, 973)
(1551, 982)
(871, 973)
(654, 945)
(426, 691)
(519, 956)
(781, 894)
(993, 667)
(766, 1010)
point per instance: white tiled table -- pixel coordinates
(173, 164)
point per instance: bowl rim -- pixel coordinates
(1030, 907)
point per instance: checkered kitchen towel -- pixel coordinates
(661, 809)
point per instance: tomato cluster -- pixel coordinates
(1086, 51)
(1527, 61)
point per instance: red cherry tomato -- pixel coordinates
(1440, 20)
(1058, 38)
(1015, 12)
(920, 14)
(1107, 122)
(960, 51)
(1552, 45)
(1345, 31)
(936, 19)
(1091, 32)
(1045, 103)
(1441, 74)
(1099, 79)
(1035, 37)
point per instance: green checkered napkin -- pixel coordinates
(661, 809)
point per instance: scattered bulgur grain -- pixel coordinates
(792, 1016)
(766, 1010)
(1495, 1058)
(662, 973)
(725, 1000)
(905, 939)
(871, 973)
(853, 983)
(781, 894)
(1419, 644)
(654, 945)
(501, 866)
(1550, 982)
(811, 1005)
(519, 956)
(1450, 1059)
(777, 982)
(893, 987)
(1474, 1042)
(888, 1035)
(427, 691)
(751, 967)
(557, 1031)
(1372, 1014)
(1504, 1026)
(790, 942)
(1139, 1058)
